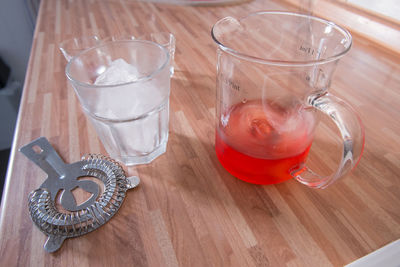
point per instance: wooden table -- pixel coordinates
(188, 210)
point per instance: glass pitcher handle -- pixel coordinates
(352, 133)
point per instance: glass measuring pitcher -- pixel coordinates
(273, 74)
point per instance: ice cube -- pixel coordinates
(118, 72)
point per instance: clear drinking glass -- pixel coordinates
(273, 74)
(131, 118)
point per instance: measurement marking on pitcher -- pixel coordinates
(310, 50)
(231, 84)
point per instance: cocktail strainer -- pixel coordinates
(72, 220)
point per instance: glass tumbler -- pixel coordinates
(128, 106)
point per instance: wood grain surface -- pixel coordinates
(188, 211)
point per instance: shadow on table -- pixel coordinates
(202, 181)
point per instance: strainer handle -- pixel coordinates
(43, 154)
(352, 135)
(53, 243)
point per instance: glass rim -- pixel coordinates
(107, 43)
(266, 61)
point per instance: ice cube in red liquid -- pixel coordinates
(253, 150)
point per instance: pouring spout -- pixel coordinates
(225, 29)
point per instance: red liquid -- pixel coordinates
(266, 155)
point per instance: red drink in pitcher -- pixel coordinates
(262, 143)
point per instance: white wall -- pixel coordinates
(16, 31)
